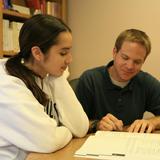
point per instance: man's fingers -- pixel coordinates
(113, 122)
(141, 126)
(105, 126)
(108, 123)
(118, 123)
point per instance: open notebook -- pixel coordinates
(111, 145)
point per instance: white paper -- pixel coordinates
(126, 146)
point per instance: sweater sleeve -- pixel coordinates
(71, 112)
(23, 121)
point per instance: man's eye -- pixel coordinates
(138, 62)
(125, 58)
(63, 53)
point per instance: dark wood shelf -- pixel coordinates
(9, 53)
(14, 16)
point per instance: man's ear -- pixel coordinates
(37, 53)
(114, 52)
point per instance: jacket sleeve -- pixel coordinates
(23, 121)
(71, 112)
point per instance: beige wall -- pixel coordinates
(97, 23)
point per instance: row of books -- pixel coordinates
(10, 35)
(44, 6)
(35, 6)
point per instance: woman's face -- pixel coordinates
(58, 56)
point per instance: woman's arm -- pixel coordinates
(71, 112)
(23, 120)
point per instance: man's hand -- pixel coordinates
(142, 126)
(110, 123)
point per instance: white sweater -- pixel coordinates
(25, 127)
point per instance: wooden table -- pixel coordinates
(67, 153)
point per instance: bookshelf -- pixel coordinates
(6, 14)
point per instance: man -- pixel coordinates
(119, 93)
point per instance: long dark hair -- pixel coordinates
(42, 31)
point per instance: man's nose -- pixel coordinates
(130, 64)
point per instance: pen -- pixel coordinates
(93, 155)
(113, 154)
(118, 154)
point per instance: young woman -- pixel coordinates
(39, 111)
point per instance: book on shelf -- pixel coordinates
(21, 9)
(15, 29)
(53, 8)
(35, 4)
(5, 34)
(43, 6)
(10, 35)
(7, 4)
(38, 5)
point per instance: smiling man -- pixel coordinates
(119, 93)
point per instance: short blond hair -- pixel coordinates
(134, 35)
